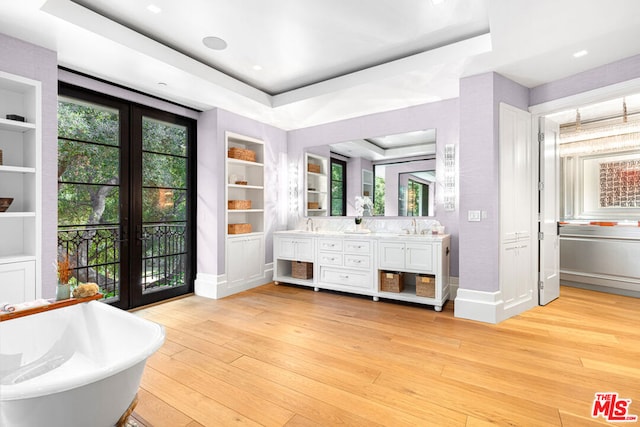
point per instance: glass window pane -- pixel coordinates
(164, 171)
(88, 122)
(87, 163)
(80, 204)
(160, 205)
(163, 137)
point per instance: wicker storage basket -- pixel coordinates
(239, 204)
(313, 205)
(301, 270)
(391, 282)
(312, 167)
(425, 286)
(0, 157)
(238, 228)
(242, 154)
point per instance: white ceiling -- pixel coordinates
(323, 60)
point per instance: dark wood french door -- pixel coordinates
(125, 212)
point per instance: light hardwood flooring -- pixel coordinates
(288, 356)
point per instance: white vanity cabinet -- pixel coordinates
(289, 248)
(349, 263)
(417, 256)
(345, 264)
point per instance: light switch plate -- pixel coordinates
(473, 216)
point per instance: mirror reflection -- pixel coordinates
(397, 172)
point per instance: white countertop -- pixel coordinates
(361, 234)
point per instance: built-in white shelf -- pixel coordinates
(20, 178)
(16, 258)
(247, 187)
(16, 126)
(17, 214)
(17, 169)
(245, 210)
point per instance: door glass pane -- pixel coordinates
(164, 204)
(89, 193)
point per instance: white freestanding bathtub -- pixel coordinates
(79, 365)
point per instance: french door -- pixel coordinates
(125, 213)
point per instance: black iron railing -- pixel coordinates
(94, 252)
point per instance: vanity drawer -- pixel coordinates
(330, 245)
(356, 279)
(329, 258)
(357, 261)
(357, 246)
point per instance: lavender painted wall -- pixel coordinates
(34, 62)
(443, 116)
(480, 98)
(606, 75)
(210, 161)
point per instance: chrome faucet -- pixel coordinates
(414, 225)
(309, 221)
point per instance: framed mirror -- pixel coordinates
(396, 171)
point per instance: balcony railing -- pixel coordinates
(94, 254)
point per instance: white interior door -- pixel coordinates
(549, 211)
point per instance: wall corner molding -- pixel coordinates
(479, 305)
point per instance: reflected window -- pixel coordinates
(338, 187)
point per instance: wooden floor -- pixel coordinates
(288, 356)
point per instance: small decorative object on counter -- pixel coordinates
(86, 290)
(363, 205)
(63, 290)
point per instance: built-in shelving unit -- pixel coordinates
(244, 203)
(20, 229)
(316, 183)
(367, 183)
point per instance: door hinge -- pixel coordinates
(540, 186)
(540, 284)
(541, 236)
(540, 137)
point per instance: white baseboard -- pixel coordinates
(216, 287)
(206, 285)
(478, 305)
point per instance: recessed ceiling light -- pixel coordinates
(257, 67)
(162, 84)
(153, 8)
(580, 53)
(215, 43)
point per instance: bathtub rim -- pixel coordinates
(156, 339)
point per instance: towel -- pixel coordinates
(10, 308)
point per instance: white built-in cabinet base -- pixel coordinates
(17, 281)
(352, 263)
